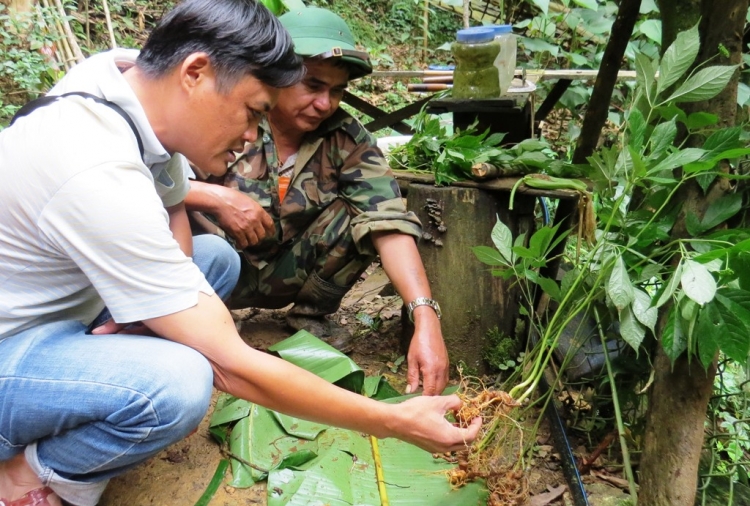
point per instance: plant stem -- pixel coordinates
(618, 413)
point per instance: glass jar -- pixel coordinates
(475, 51)
(506, 58)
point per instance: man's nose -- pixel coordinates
(323, 101)
(251, 134)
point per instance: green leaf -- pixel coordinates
(645, 75)
(214, 484)
(678, 57)
(673, 340)
(639, 167)
(723, 140)
(721, 210)
(550, 287)
(542, 4)
(535, 159)
(698, 120)
(531, 145)
(704, 84)
(502, 238)
(539, 46)
(630, 329)
(709, 321)
(489, 256)
(587, 4)
(539, 242)
(643, 310)
(568, 280)
(637, 128)
(274, 6)
(693, 224)
(662, 139)
(671, 286)
(740, 263)
(738, 302)
(697, 282)
(619, 288)
(678, 159)
(669, 111)
(743, 93)
(308, 352)
(651, 28)
(734, 337)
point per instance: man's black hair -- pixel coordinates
(241, 37)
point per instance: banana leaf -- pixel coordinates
(310, 353)
(260, 439)
(344, 474)
(312, 464)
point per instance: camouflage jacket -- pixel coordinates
(338, 160)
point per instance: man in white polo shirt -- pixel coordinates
(91, 190)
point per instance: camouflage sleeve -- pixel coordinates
(367, 184)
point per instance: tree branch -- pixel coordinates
(596, 113)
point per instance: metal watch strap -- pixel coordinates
(422, 301)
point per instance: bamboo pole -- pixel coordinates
(88, 24)
(425, 28)
(69, 32)
(113, 42)
(467, 13)
(67, 53)
(57, 55)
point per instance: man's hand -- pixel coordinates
(242, 217)
(238, 214)
(427, 355)
(111, 327)
(421, 421)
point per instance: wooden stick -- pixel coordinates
(113, 42)
(467, 13)
(438, 79)
(69, 32)
(428, 87)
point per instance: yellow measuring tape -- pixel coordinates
(379, 471)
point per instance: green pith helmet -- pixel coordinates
(319, 33)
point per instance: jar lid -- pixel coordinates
(501, 29)
(475, 34)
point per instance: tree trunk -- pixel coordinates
(454, 220)
(19, 5)
(680, 393)
(601, 97)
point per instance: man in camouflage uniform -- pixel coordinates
(323, 204)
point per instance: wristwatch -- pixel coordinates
(422, 301)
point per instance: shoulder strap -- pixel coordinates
(35, 104)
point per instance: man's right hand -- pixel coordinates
(240, 216)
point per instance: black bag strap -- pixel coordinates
(35, 104)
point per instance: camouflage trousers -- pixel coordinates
(314, 270)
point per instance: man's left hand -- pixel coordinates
(428, 359)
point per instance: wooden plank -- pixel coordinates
(531, 74)
(397, 117)
(376, 113)
(504, 184)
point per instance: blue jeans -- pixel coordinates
(85, 408)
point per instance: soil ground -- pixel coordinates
(179, 475)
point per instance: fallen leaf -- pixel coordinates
(548, 497)
(614, 480)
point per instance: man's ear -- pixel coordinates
(196, 70)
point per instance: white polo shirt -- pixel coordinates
(82, 219)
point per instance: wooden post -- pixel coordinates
(454, 220)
